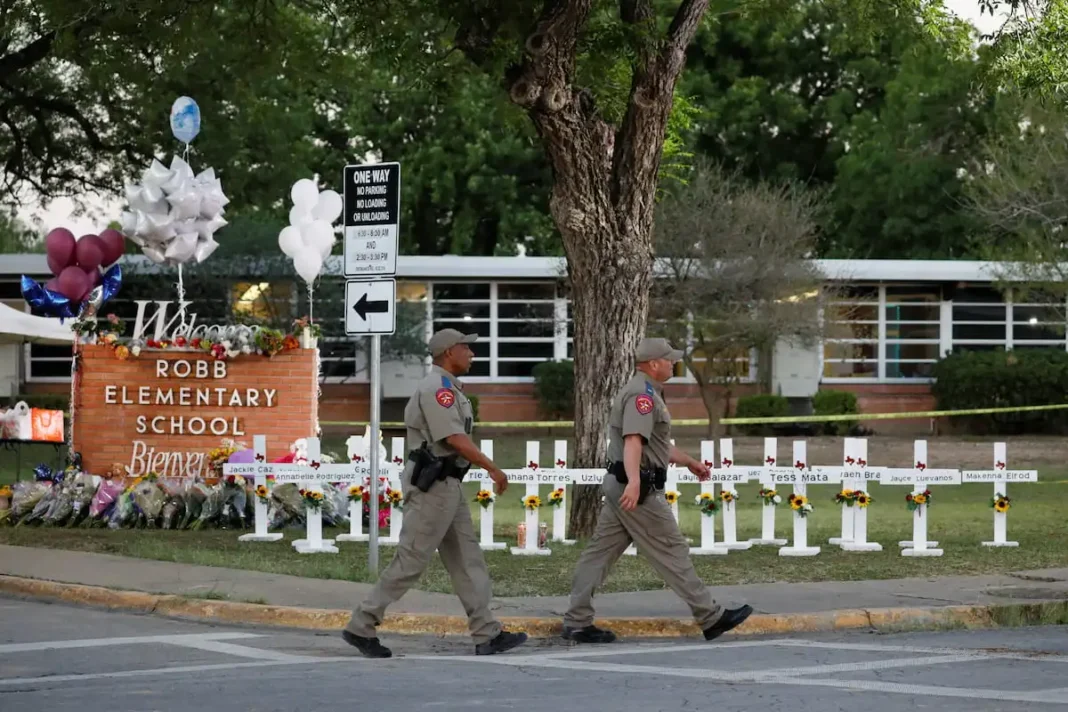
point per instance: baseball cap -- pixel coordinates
(445, 339)
(652, 349)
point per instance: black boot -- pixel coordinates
(370, 647)
(731, 618)
(589, 634)
(504, 641)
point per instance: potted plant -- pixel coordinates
(308, 332)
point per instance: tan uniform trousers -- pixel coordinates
(653, 529)
(437, 519)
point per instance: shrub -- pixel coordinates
(554, 387)
(474, 406)
(1004, 379)
(761, 406)
(835, 403)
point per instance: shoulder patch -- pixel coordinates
(445, 382)
(644, 404)
(649, 389)
(445, 397)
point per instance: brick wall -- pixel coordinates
(107, 432)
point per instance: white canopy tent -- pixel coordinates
(18, 327)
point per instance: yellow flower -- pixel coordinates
(5, 491)
(483, 495)
(847, 493)
(122, 353)
(356, 491)
(920, 499)
(798, 501)
(1001, 506)
(671, 496)
(705, 496)
(556, 495)
(532, 502)
(863, 499)
(261, 490)
(395, 496)
(726, 496)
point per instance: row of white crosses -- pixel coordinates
(854, 473)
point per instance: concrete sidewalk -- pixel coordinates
(784, 607)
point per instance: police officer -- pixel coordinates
(440, 415)
(634, 509)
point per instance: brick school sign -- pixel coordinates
(165, 410)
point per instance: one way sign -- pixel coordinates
(370, 307)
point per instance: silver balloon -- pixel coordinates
(204, 249)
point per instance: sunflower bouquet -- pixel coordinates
(707, 503)
(395, 499)
(671, 496)
(846, 497)
(862, 498)
(728, 497)
(917, 499)
(1000, 503)
(556, 497)
(800, 504)
(485, 498)
(263, 494)
(355, 493)
(769, 496)
(531, 502)
(312, 499)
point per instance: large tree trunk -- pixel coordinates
(604, 190)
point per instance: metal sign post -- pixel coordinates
(372, 241)
(372, 554)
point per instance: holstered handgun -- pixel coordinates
(429, 468)
(648, 479)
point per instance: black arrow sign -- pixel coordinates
(364, 307)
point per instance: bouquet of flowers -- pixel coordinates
(485, 498)
(706, 502)
(799, 503)
(917, 499)
(770, 496)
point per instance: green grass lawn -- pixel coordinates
(959, 520)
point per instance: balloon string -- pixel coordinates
(311, 303)
(181, 292)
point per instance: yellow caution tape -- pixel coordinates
(758, 421)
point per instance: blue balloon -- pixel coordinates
(185, 119)
(43, 473)
(54, 304)
(46, 301)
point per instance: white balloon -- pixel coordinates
(290, 241)
(206, 228)
(298, 216)
(186, 202)
(328, 207)
(182, 247)
(154, 254)
(128, 222)
(204, 249)
(156, 174)
(304, 193)
(308, 263)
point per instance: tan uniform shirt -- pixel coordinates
(639, 409)
(437, 410)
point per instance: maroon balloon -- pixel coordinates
(95, 278)
(55, 265)
(89, 252)
(114, 245)
(74, 283)
(59, 246)
(52, 285)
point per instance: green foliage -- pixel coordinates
(763, 405)
(835, 403)
(16, 236)
(554, 387)
(474, 405)
(1004, 379)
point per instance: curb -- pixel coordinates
(169, 605)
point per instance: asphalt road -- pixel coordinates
(60, 658)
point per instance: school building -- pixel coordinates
(897, 318)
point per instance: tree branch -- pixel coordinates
(640, 139)
(28, 56)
